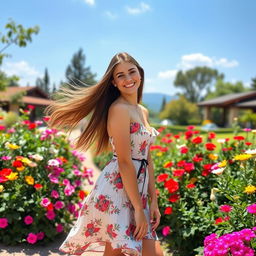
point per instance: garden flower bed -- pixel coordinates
(206, 187)
(41, 178)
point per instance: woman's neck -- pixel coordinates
(132, 100)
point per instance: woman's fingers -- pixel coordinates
(157, 221)
(142, 231)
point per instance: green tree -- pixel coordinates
(196, 81)
(253, 84)
(77, 73)
(181, 111)
(6, 81)
(16, 34)
(223, 88)
(163, 104)
(44, 83)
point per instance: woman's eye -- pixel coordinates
(119, 76)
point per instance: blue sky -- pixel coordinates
(164, 36)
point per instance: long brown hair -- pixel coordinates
(76, 103)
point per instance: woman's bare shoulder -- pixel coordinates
(118, 109)
(144, 109)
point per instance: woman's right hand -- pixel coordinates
(141, 224)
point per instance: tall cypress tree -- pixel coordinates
(163, 104)
(77, 73)
(44, 83)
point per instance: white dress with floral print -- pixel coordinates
(107, 214)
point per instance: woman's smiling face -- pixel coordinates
(126, 77)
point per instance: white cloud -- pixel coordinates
(198, 59)
(168, 74)
(90, 2)
(110, 15)
(22, 69)
(143, 7)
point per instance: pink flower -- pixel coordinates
(6, 158)
(69, 190)
(28, 220)
(251, 208)
(59, 228)
(71, 208)
(55, 194)
(3, 222)
(59, 205)
(11, 130)
(66, 182)
(32, 238)
(53, 162)
(166, 230)
(45, 202)
(2, 127)
(40, 236)
(225, 208)
(50, 215)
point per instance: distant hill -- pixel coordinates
(154, 100)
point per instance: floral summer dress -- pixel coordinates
(107, 214)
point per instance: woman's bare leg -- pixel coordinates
(109, 251)
(151, 247)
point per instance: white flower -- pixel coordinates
(37, 157)
(53, 162)
(180, 146)
(218, 171)
(251, 151)
(221, 140)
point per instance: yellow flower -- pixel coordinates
(1, 188)
(26, 160)
(213, 156)
(193, 180)
(12, 176)
(223, 163)
(30, 180)
(236, 197)
(159, 153)
(250, 189)
(7, 135)
(20, 169)
(13, 146)
(242, 157)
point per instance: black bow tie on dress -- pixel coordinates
(143, 165)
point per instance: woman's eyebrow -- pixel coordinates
(123, 72)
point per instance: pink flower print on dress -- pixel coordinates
(118, 181)
(144, 201)
(134, 127)
(143, 146)
(111, 229)
(102, 203)
(91, 229)
(129, 231)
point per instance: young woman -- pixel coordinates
(116, 218)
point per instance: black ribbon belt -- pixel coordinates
(144, 164)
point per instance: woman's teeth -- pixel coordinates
(129, 85)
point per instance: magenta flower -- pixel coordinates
(6, 158)
(32, 238)
(40, 236)
(45, 202)
(66, 182)
(59, 205)
(28, 220)
(226, 208)
(166, 230)
(11, 130)
(59, 228)
(3, 222)
(71, 208)
(69, 190)
(50, 215)
(55, 194)
(251, 208)
(2, 127)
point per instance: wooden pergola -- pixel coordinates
(230, 104)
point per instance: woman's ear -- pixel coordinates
(113, 82)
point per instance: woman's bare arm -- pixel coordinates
(119, 124)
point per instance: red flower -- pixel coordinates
(91, 230)
(206, 173)
(46, 118)
(211, 135)
(5, 172)
(196, 158)
(31, 107)
(190, 127)
(167, 165)
(197, 140)
(238, 137)
(168, 134)
(188, 134)
(178, 172)
(162, 177)
(81, 194)
(165, 140)
(50, 207)
(176, 136)
(219, 220)
(207, 166)
(171, 185)
(181, 163)
(191, 185)
(17, 164)
(248, 143)
(168, 210)
(183, 150)
(31, 126)
(174, 198)
(130, 230)
(189, 167)
(38, 186)
(210, 146)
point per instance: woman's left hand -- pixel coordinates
(154, 215)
